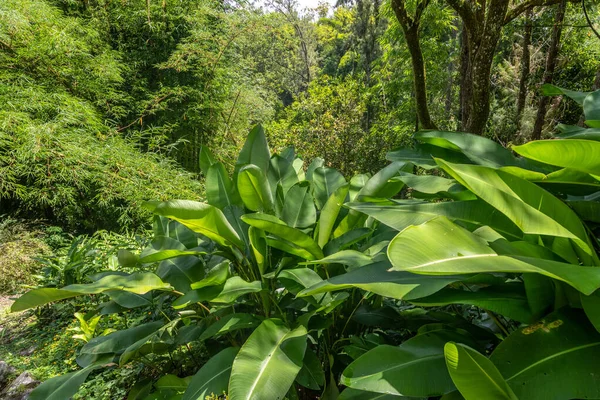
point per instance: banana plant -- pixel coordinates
(228, 272)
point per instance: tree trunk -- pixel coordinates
(410, 27)
(483, 38)
(525, 66)
(418, 67)
(550, 66)
(465, 72)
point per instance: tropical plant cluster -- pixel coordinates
(462, 269)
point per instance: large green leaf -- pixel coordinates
(281, 173)
(375, 186)
(551, 90)
(139, 282)
(299, 207)
(220, 190)
(117, 342)
(325, 181)
(297, 279)
(404, 214)
(416, 249)
(230, 323)
(275, 226)
(235, 287)
(255, 150)
(378, 279)
(268, 362)
(415, 368)
(216, 276)
(329, 214)
(65, 386)
(579, 154)
(477, 148)
(258, 242)
(353, 394)
(474, 374)
(311, 375)
(254, 189)
(509, 300)
(560, 361)
(531, 208)
(352, 258)
(591, 109)
(206, 159)
(213, 377)
(200, 217)
(181, 272)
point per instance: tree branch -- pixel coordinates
(527, 5)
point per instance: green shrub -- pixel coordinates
(19, 247)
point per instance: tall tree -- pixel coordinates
(550, 67)
(411, 25)
(525, 65)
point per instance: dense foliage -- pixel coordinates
(459, 265)
(480, 283)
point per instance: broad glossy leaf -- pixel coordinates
(376, 184)
(200, 217)
(254, 189)
(317, 162)
(509, 300)
(297, 279)
(130, 300)
(258, 242)
(311, 375)
(268, 362)
(356, 184)
(329, 213)
(206, 159)
(591, 306)
(216, 276)
(531, 208)
(561, 361)
(552, 90)
(347, 240)
(591, 109)
(213, 377)
(325, 181)
(230, 323)
(579, 154)
(171, 382)
(117, 342)
(415, 368)
(417, 250)
(281, 173)
(65, 386)
(402, 215)
(474, 374)
(417, 157)
(220, 190)
(353, 394)
(477, 148)
(255, 150)
(235, 287)
(273, 225)
(352, 258)
(139, 282)
(377, 279)
(299, 207)
(181, 272)
(432, 185)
